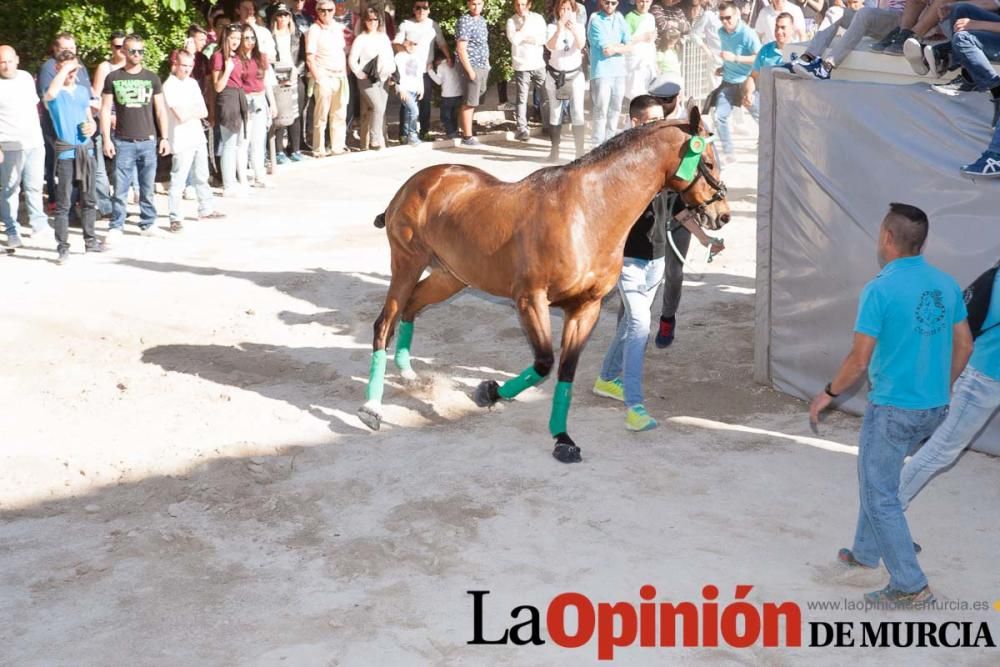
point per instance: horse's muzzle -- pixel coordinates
(714, 222)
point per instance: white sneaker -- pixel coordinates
(188, 193)
(113, 237)
(152, 232)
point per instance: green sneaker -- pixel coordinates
(610, 389)
(637, 419)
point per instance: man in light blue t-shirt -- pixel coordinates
(770, 55)
(912, 337)
(608, 38)
(974, 399)
(740, 45)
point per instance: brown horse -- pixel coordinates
(554, 238)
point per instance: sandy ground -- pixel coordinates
(183, 480)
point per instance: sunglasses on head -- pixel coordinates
(136, 52)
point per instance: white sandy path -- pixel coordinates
(183, 480)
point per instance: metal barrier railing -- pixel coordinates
(697, 67)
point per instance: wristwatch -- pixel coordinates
(829, 391)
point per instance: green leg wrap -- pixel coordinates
(376, 377)
(402, 357)
(529, 377)
(560, 407)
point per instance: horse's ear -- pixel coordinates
(695, 119)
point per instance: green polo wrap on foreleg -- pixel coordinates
(561, 399)
(376, 377)
(402, 357)
(529, 377)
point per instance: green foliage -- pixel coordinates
(30, 25)
(496, 13)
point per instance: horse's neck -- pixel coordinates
(630, 179)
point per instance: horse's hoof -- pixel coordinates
(409, 375)
(566, 450)
(486, 394)
(370, 416)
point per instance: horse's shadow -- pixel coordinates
(326, 382)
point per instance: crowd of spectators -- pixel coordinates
(279, 82)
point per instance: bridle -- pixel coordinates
(715, 184)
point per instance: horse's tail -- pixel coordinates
(379, 221)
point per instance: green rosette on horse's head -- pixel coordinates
(692, 157)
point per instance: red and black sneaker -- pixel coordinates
(665, 336)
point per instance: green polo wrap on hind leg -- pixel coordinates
(561, 399)
(402, 357)
(529, 377)
(376, 377)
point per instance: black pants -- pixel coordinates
(673, 271)
(64, 201)
(354, 102)
(424, 110)
(294, 132)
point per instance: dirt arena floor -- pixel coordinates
(183, 480)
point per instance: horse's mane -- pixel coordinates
(624, 144)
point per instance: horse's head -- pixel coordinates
(698, 177)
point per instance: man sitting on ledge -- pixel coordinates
(875, 22)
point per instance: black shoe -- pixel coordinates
(895, 47)
(96, 246)
(957, 85)
(880, 46)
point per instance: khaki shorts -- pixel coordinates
(474, 90)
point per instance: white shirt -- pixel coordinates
(186, 98)
(368, 45)
(19, 122)
(329, 48)
(411, 71)
(765, 22)
(424, 35)
(526, 35)
(448, 78)
(265, 42)
(567, 55)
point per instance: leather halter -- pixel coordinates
(717, 185)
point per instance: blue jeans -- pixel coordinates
(411, 113)
(723, 109)
(190, 166)
(606, 96)
(449, 114)
(637, 285)
(129, 156)
(888, 434)
(23, 170)
(974, 399)
(101, 183)
(974, 50)
(233, 159)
